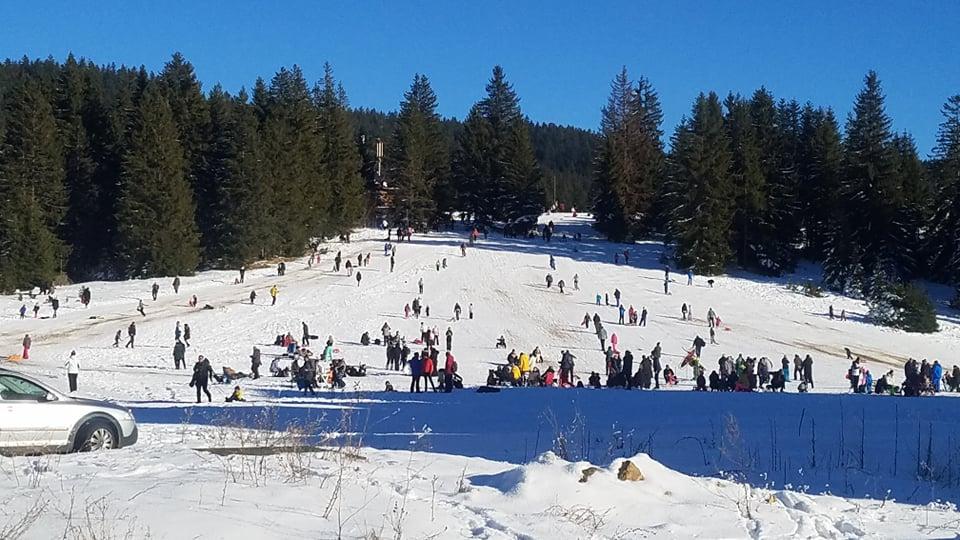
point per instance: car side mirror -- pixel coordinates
(48, 397)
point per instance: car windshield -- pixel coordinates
(15, 388)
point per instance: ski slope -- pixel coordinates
(821, 443)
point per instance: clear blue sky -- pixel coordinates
(559, 55)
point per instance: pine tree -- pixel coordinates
(32, 195)
(494, 168)
(233, 159)
(190, 114)
(820, 177)
(869, 236)
(299, 191)
(944, 244)
(417, 157)
(340, 160)
(157, 232)
(699, 190)
(749, 183)
(630, 159)
(474, 180)
(917, 193)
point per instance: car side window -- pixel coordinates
(17, 389)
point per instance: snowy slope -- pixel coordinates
(853, 446)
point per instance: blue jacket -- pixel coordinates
(416, 365)
(936, 372)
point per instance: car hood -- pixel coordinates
(94, 403)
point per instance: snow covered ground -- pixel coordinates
(501, 465)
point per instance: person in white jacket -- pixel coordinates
(73, 370)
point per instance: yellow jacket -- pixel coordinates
(274, 290)
(524, 363)
(515, 371)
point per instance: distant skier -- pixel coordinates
(154, 290)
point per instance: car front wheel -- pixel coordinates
(97, 435)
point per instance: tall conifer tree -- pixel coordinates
(157, 232)
(699, 190)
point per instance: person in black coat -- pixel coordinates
(808, 371)
(628, 369)
(202, 372)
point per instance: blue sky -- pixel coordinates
(560, 55)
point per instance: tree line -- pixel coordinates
(762, 182)
(115, 172)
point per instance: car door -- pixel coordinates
(23, 413)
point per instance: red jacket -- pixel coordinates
(428, 367)
(548, 378)
(451, 365)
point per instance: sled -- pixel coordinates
(12, 358)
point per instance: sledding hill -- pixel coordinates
(503, 278)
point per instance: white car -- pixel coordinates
(37, 418)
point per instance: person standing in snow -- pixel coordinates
(305, 341)
(470, 311)
(140, 308)
(666, 286)
(449, 338)
(186, 334)
(358, 278)
(690, 276)
(586, 321)
(622, 312)
(416, 368)
(23, 311)
(456, 311)
(255, 363)
(27, 343)
(253, 297)
(179, 355)
(808, 371)
(602, 335)
(73, 370)
(393, 262)
(202, 372)
(449, 370)
(131, 333)
(560, 285)
(176, 285)
(36, 310)
(553, 263)
(683, 312)
(830, 312)
(655, 359)
(698, 345)
(243, 271)
(177, 332)
(55, 304)
(576, 282)
(616, 296)
(116, 338)
(549, 280)
(598, 299)
(420, 285)
(154, 290)
(274, 291)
